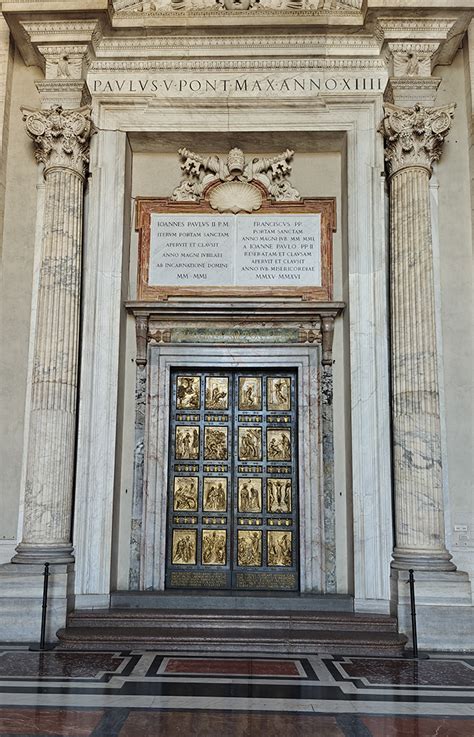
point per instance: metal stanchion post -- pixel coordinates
(414, 653)
(42, 645)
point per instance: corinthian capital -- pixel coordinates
(414, 136)
(61, 137)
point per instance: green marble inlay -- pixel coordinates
(234, 335)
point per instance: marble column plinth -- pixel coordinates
(61, 138)
(414, 138)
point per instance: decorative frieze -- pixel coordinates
(151, 7)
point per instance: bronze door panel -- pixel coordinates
(233, 483)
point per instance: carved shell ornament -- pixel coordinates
(234, 183)
(235, 197)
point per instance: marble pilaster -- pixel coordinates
(61, 140)
(414, 139)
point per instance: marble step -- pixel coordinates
(232, 600)
(228, 639)
(238, 619)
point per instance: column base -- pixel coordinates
(21, 595)
(444, 608)
(422, 560)
(32, 554)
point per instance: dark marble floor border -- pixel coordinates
(114, 718)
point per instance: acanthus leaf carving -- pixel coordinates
(414, 136)
(61, 137)
(199, 172)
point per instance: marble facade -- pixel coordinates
(125, 80)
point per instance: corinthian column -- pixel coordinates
(61, 140)
(414, 139)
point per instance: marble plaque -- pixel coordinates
(191, 250)
(207, 250)
(278, 250)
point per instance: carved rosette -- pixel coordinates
(62, 137)
(414, 136)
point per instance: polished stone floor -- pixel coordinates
(153, 694)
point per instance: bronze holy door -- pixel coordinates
(232, 481)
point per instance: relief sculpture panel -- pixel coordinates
(250, 393)
(215, 495)
(185, 494)
(279, 548)
(278, 393)
(250, 495)
(184, 547)
(249, 547)
(187, 442)
(278, 445)
(279, 495)
(188, 392)
(250, 443)
(215, 443)
(217, 392)
(214, 547)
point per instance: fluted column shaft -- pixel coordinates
(61, 139)
(414, 138)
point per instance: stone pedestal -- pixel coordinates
(62, 143)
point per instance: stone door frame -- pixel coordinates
(367, 267)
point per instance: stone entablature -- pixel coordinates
(296, 64)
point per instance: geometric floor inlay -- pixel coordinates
(150, 693)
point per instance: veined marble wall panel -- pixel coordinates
(457, 289)
(6, 64)
(15, 292)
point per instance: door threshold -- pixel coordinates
(192, 599)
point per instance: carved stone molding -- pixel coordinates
(61, 137)
(414, 136)
(152, 7)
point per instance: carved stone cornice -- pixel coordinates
(414, 136)
(61, 137)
